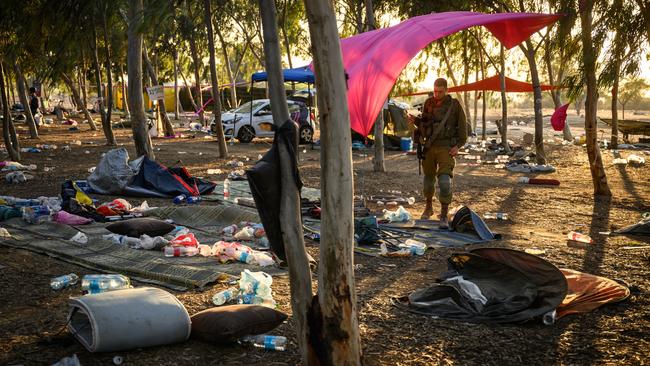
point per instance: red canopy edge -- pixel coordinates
(492, 84)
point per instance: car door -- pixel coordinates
(263, 116)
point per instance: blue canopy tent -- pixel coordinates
(298, 75)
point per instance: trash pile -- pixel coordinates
(254, 288)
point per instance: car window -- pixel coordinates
(246, 107)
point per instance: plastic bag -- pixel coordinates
(80, 238)
(399, 215)
(70, 219)
(255, 288)
(185, 240)
(118, 206)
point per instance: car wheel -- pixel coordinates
(246, 134)
(306, 134)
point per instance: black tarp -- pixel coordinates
(514, 287)
(642, 228)
(266, 186)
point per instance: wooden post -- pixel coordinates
(134, 66)
(339, 342)
(216, 99)
(291, 225)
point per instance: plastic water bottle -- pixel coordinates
(224, 296)
(581, 238)
(495, 215)
(193, 199)
(226, 189)
(64, 281)
(95, 284)
(36, 214)
(277, 343)
(179, 199)
(181, 251)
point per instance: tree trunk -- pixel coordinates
(83, 85)
(75, 95)
(335, 317)
(125, 100)
(529, 51)
(556, 94)
(476, 78)
(378, 158)
(291, 225)
(98, 79)
(8, 130)
(189, 90)
(22, 96)
(134, 66)
(108, 126)
(285, 35)
(595, 160)
(483, 94)
(224, 51)
(216, 99)
(10, 82)
(450, 70)
(197, 79)
(167, 124)
(466, 65)
(503, 127)
(176, 100)
(617, 71)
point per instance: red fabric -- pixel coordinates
(492, 84)
(374, 60)
(558, 119)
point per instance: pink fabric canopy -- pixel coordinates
(374, 60)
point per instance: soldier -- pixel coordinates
(441, 131)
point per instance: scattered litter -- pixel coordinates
(636, 247)
(535, 251)
(98, 283)
(635, 160)
(4, 233)
(271, 342)
(539, 181)
(255, 288)
(17, 177)
(519, 167)
(225, 296)
(118, 360)
(68, 361)
(495, 215)
(214, 171)
(235, 164)
(574, 236)
(182, 152)
(86, 152)
(171, 251)
(30, 150)
(64, 281)
(92, 169)
(14, 166)
(80, 238)
(36, 214)
(399, 215)
(239, 174)
(619, 161)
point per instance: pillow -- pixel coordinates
(139, 226)
(228, 323)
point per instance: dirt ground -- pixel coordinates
(32, 316)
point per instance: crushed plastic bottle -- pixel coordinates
(181, 251)
(271, 342)
(36, 214)
(98, 283)
(581, 238)
(64, 281)
(495, 215)
(414, 247)
(226, 189)
(255, 288)
(225, 296)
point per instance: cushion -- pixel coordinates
(139, 226)
(228, 323)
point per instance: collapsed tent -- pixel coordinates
(496, 285)
(374, 60)
(143, 177)
(642, 228)
(492, 83)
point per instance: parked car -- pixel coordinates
(237, 123)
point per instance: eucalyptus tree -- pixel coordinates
(216, 99)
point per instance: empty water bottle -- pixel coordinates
(98, 283)
(414, 247)
(495, 215)
(181, 251)
(224, 296)
(64, 281)
(193, 199)
(277, 343)
(179, 199)
(226, 189)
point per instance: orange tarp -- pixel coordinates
(492, 84)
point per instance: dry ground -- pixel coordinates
(32, 316)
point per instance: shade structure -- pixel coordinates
(374, 60)
(492, 83)
(300, 75)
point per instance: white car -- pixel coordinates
(237, 123)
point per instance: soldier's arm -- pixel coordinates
(462, 125)
(426, 110)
